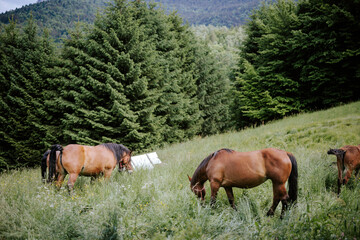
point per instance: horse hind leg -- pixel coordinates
(284, 203)
(71, 182)
(60, 180)
(273, 207)
(280, 194)
(230, 195)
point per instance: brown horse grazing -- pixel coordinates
(227, 168)
(348, 160)
(83, 160)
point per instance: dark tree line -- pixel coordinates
(140, 77)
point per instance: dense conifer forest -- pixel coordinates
(141, 77)
(298, 56)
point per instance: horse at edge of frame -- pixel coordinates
(348, 160)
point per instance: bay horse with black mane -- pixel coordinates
(84, 160)
(228, 168)
(348, 160)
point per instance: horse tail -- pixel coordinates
(52, 161)
(293, 179)
(44, 165)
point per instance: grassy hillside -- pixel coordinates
(157, 204)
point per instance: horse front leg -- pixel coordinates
(107, 173)
(214, 185)
(93, 179)
(230, 195)
(347, 175)
(357, 172)
(339, 182)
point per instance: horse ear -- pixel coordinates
(189, 178)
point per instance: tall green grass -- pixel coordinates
(158, 203)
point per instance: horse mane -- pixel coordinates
(117, 149)
(196, 176)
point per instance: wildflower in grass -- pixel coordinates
(163, 204)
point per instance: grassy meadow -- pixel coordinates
(158, 203)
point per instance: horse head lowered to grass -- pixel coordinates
(228, 168)
(84, 160)
(348, 160)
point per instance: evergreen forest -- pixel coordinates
(141, 77)
(61, 15)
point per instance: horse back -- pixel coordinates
(86, 160)
(237, 169)
(98, 159)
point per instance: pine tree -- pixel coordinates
(112, 90)
(213, 93)
(25, 60)
(178, 102)
(93, 95)
(132, 79)
(327, 52)
(265, 86)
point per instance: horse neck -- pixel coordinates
(200, 176)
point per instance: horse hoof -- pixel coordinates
(270, 213)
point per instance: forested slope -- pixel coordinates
(61, 15)
(58, 16)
